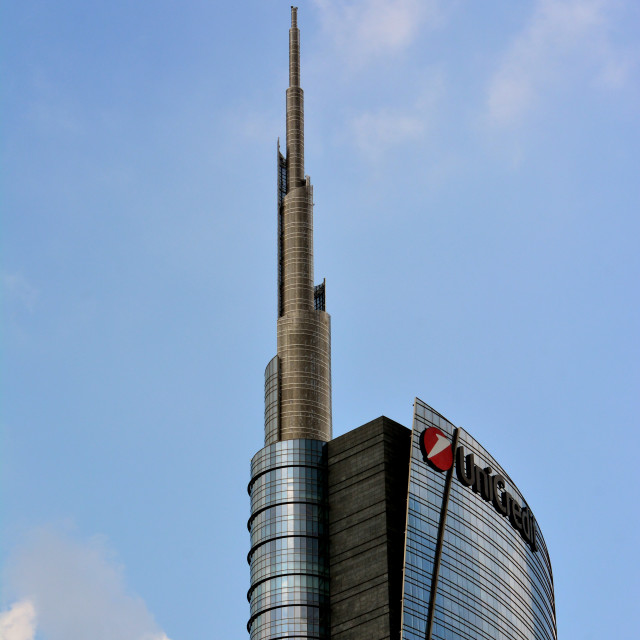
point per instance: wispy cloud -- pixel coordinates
(375, 133)
(19, 622)
(363, 29)
(76, 590)
(563, 39)
(378, 131)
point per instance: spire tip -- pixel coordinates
(294, 17)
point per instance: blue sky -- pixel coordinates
(477, 196)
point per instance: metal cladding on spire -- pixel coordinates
(298, 379)
(297, 241)
(295, 108)
(294, 50)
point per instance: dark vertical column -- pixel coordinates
(439, 543)
(368, 475)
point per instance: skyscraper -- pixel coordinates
(288, 524)
(384, 532)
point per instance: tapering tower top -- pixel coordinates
(294, 50)
(298, 379)
(295, 108)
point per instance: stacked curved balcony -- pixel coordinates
(288, 526)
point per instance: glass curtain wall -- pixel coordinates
(288, 556)
(491, 583)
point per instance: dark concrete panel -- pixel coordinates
(368, 478)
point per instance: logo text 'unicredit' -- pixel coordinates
(489, 486)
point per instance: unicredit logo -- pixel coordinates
(438, 452)
(437, 449)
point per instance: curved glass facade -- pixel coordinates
(491, 584)
(288, 556)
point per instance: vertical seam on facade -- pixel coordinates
(440, 543)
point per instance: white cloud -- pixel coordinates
(563, 40)
(19, 622)
(362, 29)
(77, 590)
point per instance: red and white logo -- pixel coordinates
(437, 448)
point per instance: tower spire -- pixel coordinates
(295, 108)
(298, 379)
(294, 50)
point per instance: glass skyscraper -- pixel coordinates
(491, 583)
(288, 524)
(384, 532)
